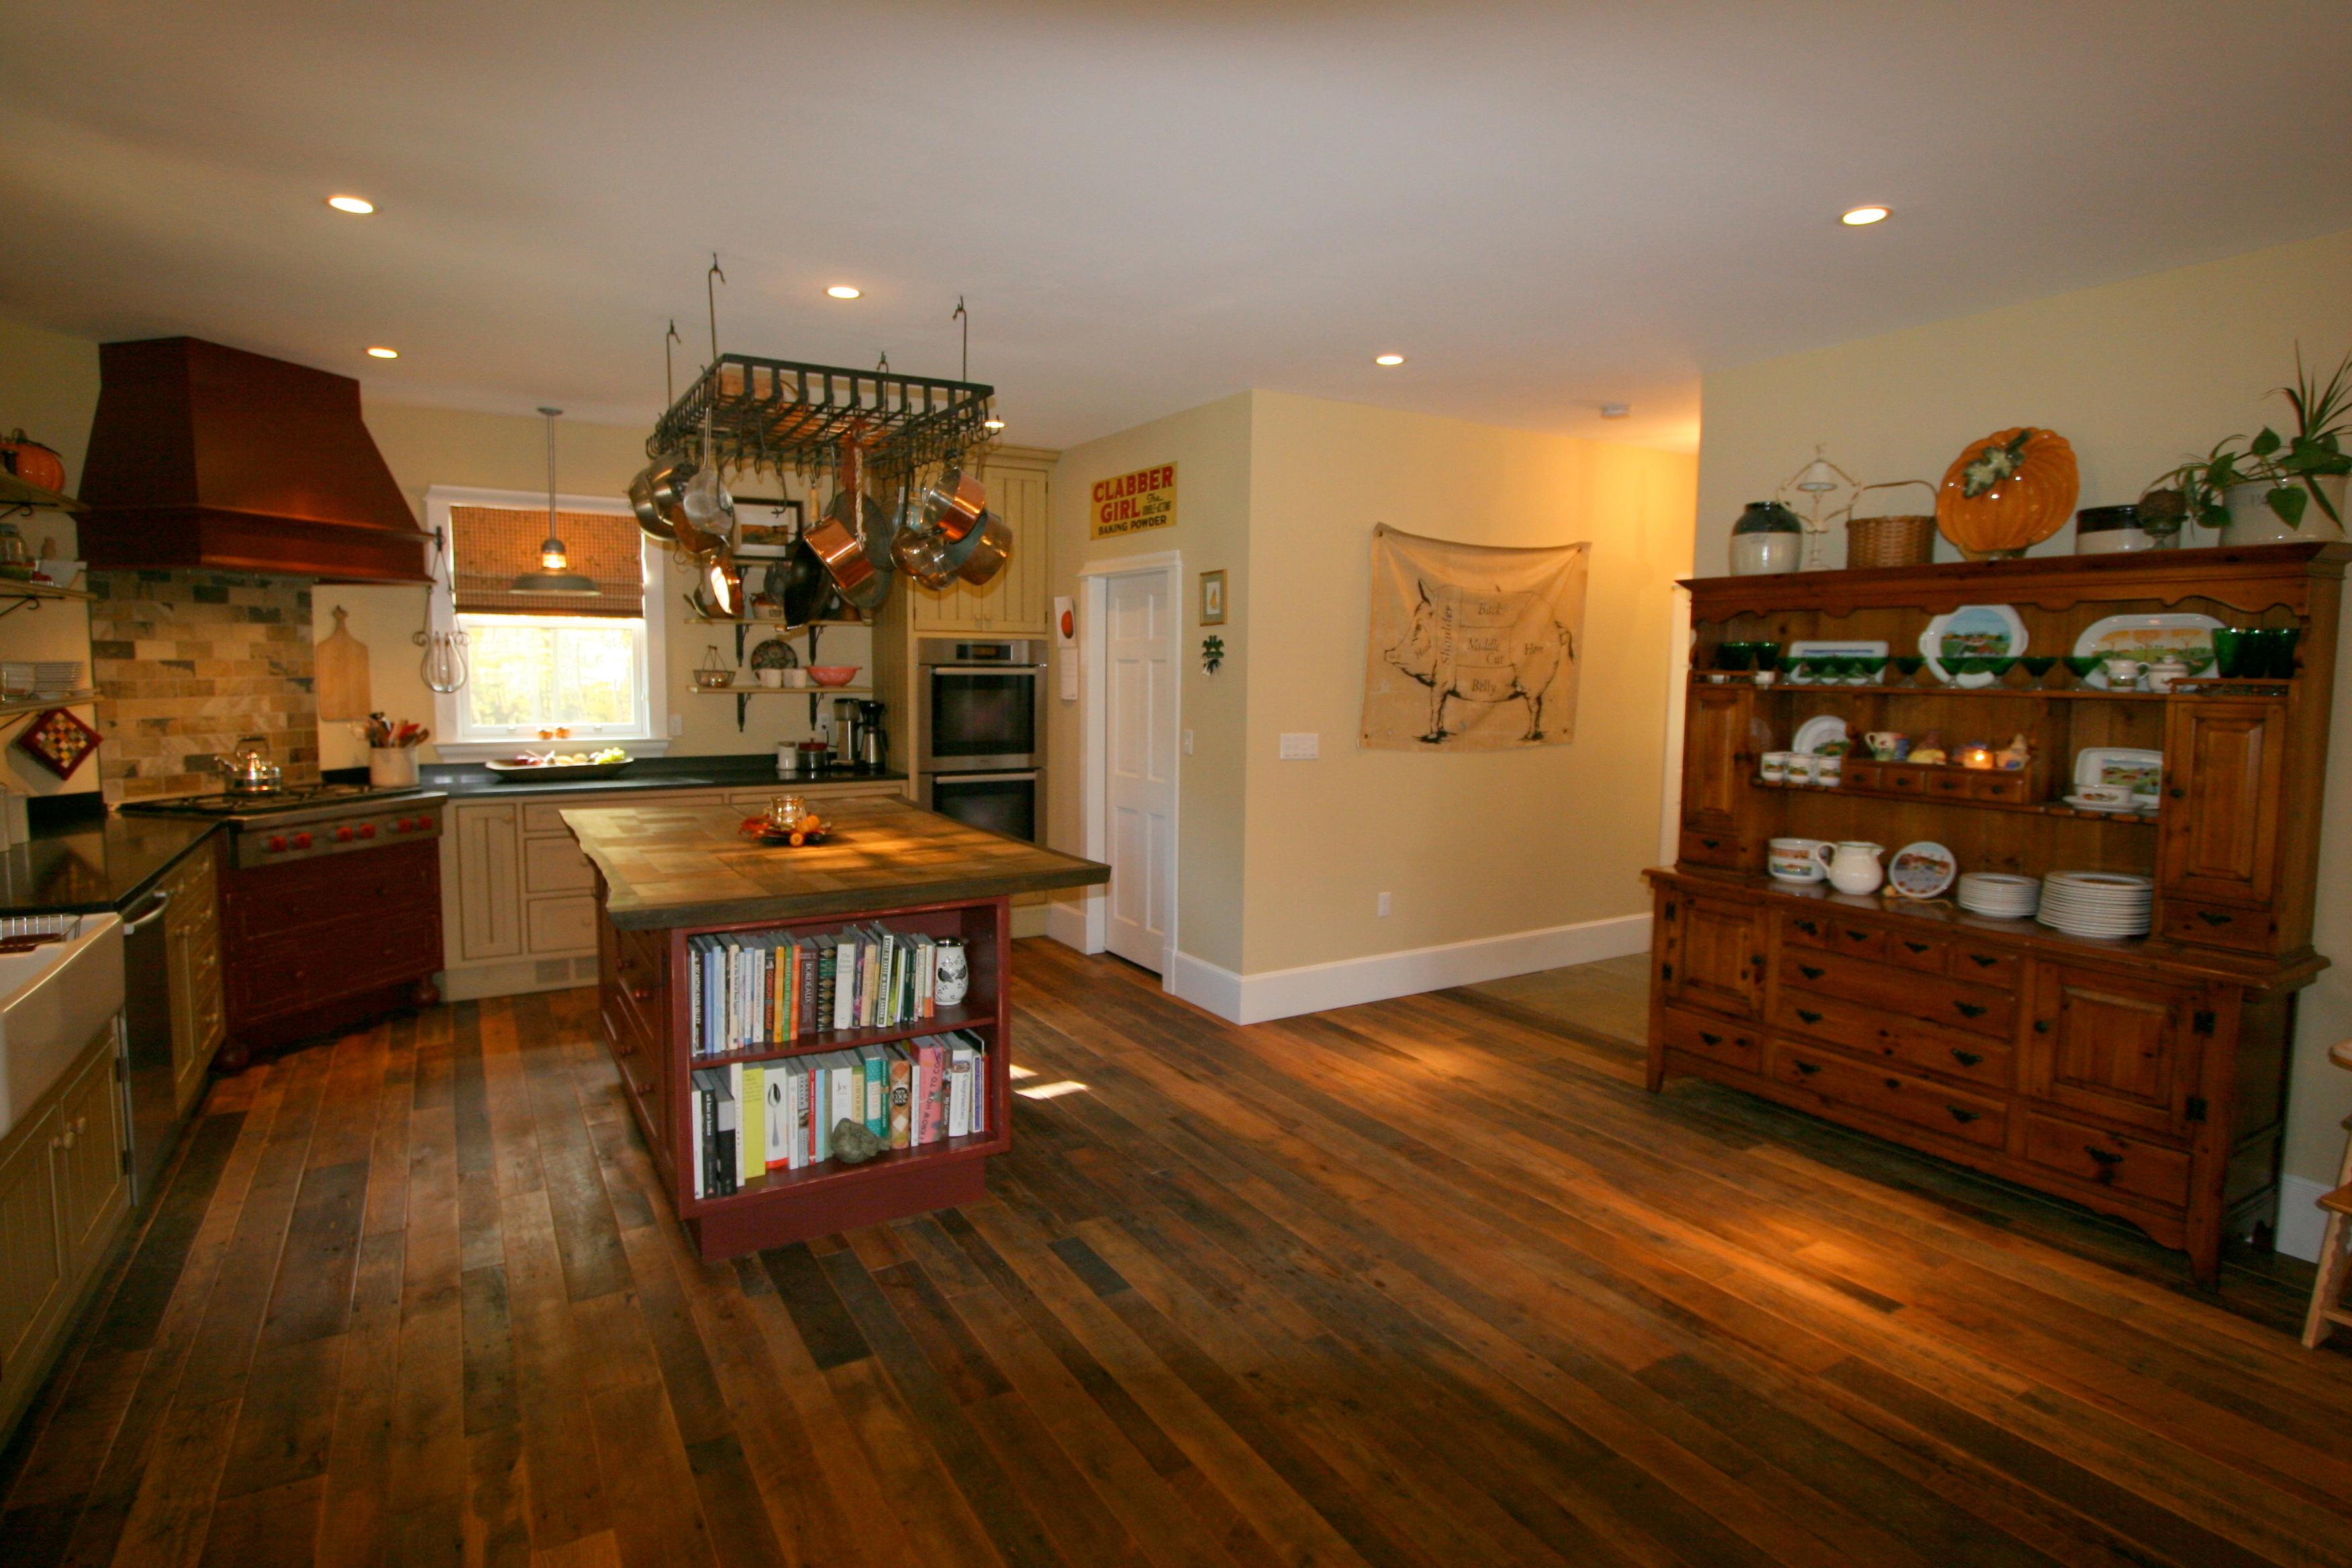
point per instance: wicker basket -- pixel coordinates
(1903, 541)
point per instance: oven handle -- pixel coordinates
(986, 668)
(938, 779)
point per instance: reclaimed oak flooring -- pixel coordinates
(1428, 1281)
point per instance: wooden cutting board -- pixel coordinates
(344, 688)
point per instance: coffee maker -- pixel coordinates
(868, 744)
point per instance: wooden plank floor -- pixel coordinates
(1426, 1281)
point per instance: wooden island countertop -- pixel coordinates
(690, 865)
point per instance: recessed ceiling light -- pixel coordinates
(383, 354)
(350, 204)
(1388, 359)
(1616, 410)
(1856, 217)
(844, 292)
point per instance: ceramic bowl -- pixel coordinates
(833, 674)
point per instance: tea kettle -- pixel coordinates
(248, 770)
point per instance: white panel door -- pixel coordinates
(1140, 721)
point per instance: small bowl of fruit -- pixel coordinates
(567, 765)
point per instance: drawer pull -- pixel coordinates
(2213, 917)
(1808, 928)
(1711, 1038)
(1859, 935)
(2041, 1026)
(1809, 1018)
(1962, 1115)
(1966, 1059)
(1917, 946)
(1893, 1083)
(2177, 793)
(1712, 843)
(2106, 1157)
(1810, 972)
(1809, 1069)
(1970, 1009)
(1984, 960)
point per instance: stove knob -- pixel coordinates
(342, 836)
(301, 841)
(367, 830)
(277, 843)
(423, 825)
(401, 827)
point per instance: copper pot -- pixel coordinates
(992, 550)
(954, 504)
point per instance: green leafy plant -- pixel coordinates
(2290, 465)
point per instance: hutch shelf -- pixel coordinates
(2144, 1078)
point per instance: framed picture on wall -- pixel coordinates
(765, 529)
(1212, 599)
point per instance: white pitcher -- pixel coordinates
(1854, 868)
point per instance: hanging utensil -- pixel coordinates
(657, 496)
(443, 667)
(851, 538)
(992, 547)
(723, 586)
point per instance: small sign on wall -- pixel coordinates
(1129, 503)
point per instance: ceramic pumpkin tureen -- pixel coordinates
(2011, 490)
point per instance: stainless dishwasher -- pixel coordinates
(154, 1118)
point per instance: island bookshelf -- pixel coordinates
(647, 1024)
(2143, 1077)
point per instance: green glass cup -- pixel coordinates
(2038, 666)
(1767, 655)
(1870, 667)
(1998, 665)
(2277, 648)
(1806, 670)
(2234, 650)
(1908, 665)
(1733, 655)
(1961, 664)
(2081, 664)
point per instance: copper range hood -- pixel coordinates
(209, 457)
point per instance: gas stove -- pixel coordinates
(306, 822)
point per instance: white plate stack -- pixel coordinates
(1999, 895)
(2096, 903)
(56, 676)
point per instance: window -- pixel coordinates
(542, 662)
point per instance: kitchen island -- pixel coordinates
(674, 883)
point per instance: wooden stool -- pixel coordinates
(2334, 1266)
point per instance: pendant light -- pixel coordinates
(553, 574)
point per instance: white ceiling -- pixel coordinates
(1546, 206)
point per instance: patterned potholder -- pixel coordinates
(60, 740)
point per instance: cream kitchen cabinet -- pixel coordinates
(1018, 598)
(519, 898)
(192, 950)
(65, 1193)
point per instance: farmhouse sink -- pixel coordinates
(52, 1000)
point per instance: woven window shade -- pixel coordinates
(490, 544)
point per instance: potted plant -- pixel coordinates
(2276, 488)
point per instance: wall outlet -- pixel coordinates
(1384, 906)
(1188, 742)
(1301, 748)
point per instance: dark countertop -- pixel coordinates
(752, 770)
(90, 864)
(668, 865)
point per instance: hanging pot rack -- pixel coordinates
(772, 414)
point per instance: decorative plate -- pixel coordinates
(1817, 733)
(1921, 871)
(1826, 647)
(60, 740)
(757, 827)
(2140, 770)
(2146, 638)
(775, 654)
(1982, 629)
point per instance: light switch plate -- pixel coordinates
(1302, 746)
(1188, 742)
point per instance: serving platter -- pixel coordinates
(2139, 769)
(2145, 637)
(1819, 731)
(571, 771)
(1827, 648)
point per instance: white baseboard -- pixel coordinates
(2301, 1221)
(1315, 987)
(1066, 922)
(1029, 919)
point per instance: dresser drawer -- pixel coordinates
(2219, 925)
(1705, 848)
(555, 866)
(1856, 939)
(560, 925)
(1883, 1036)
(1807, 930)
(1712, 1039)
(1979, 1009)
(1896, 1096)
(1907, 950)
(2106, 1158)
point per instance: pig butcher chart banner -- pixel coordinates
(1474, 649)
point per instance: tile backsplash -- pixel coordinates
(186, 662)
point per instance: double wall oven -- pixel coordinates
(980, 731)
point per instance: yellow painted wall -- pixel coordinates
(49, 384)
(2135, 375)
(1210, 448)
(1468, 844)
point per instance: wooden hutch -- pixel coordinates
(2144, 1078)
